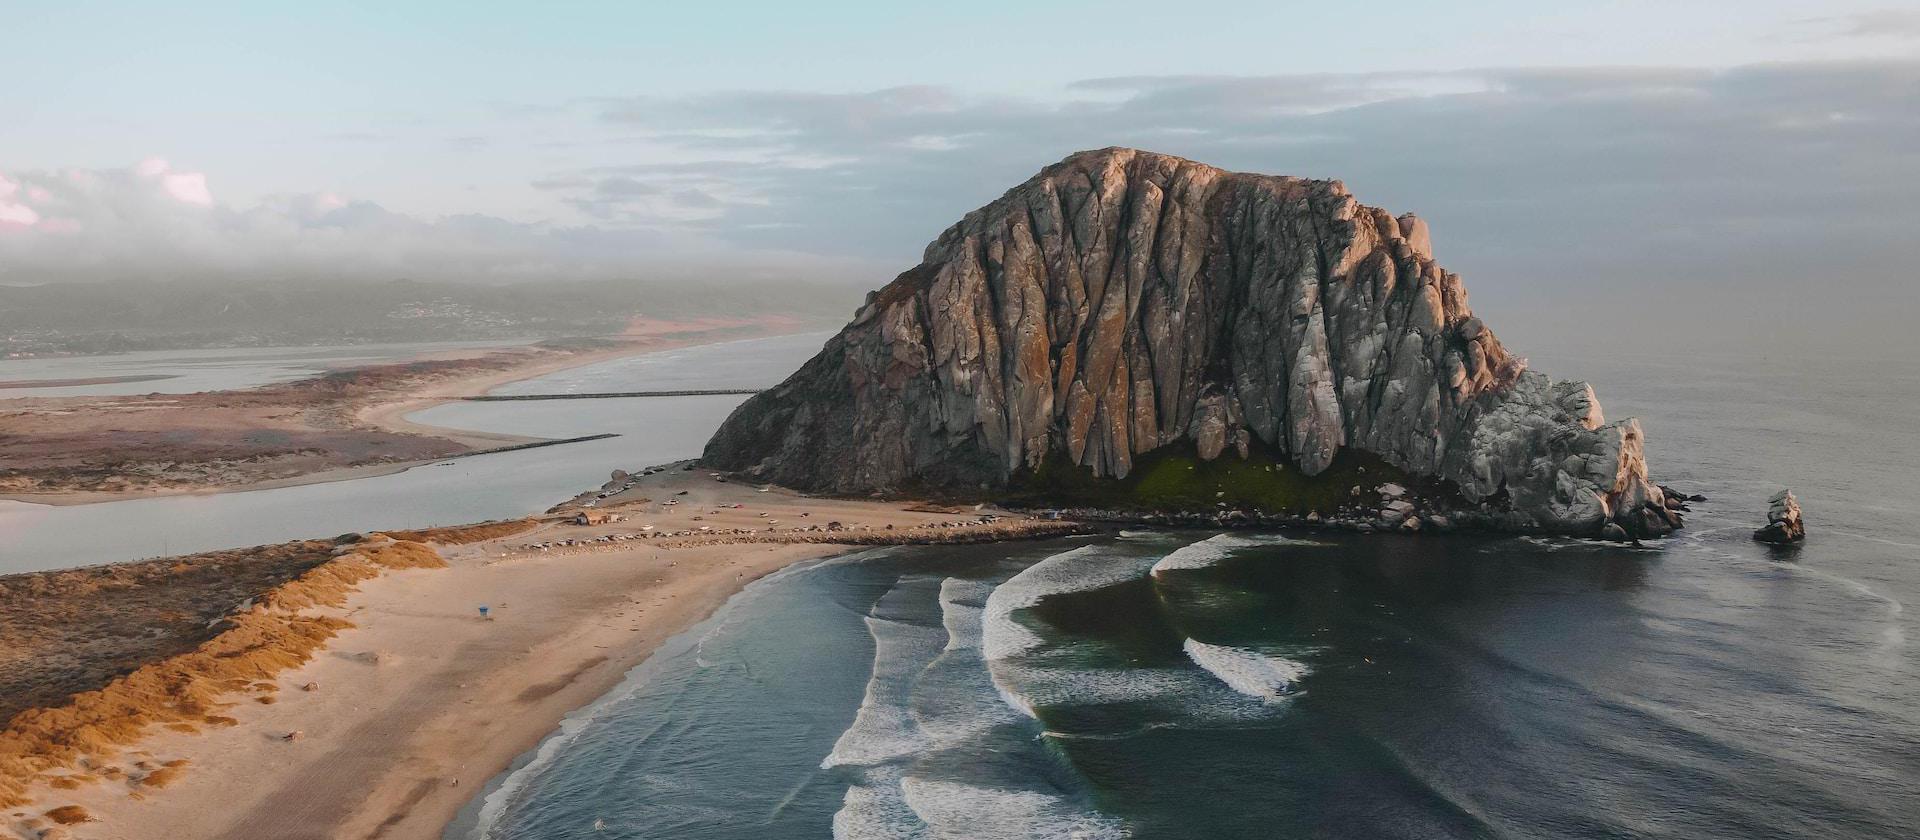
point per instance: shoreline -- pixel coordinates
(389, 414)
(474, 812)
(420, 703)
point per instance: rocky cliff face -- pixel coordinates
(1122, 301)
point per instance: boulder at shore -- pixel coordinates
(1783, 520)
(1123, 308)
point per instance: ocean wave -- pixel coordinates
(503, 792)
(1031, 686)
(925, 701)
(884, 728)
(1175, 697)
(889, 804)
(1084, 568)
(1213, 549)
(1122, 735)
(876, 809)
(958, 810)
(1201, 554)
(954, 699)
(1264, 676)
(1003, 637)
(962, 603)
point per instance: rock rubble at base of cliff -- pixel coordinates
(1376, 511)
(1124, 301)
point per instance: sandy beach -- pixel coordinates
(416, 705)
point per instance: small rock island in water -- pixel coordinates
(1137, 332)
(1783, 520)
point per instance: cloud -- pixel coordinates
(1523, 155)
(1593, 200)
(154, 221)
(14, 212)
(1585, 193)
(1897, 24)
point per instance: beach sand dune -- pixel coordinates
(402, 717)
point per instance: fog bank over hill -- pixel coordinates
(1673, 209)
(87, 317)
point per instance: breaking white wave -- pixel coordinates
(1070, 686)
(876, 809)
(962, 602)
(889, 804)
(1027, 680)
(884, 727)
(505, 791)
(1201, 554)
(924, 699)
(1264, 676)
(1213, 549)
(955, 700)
(962, 811)
(1003, 637)
(1084, 568)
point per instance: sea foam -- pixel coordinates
(1264, 676)
(923, 701)
(962, 602)
(1084, 568)
(875, 808)
(1213, 549)
(962, 811)
(884, 727)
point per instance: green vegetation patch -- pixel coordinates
(1174, 478)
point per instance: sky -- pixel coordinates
(1602, 169)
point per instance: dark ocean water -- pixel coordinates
(1190, 684)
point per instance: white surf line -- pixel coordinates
(503, 790)
(888, 801)
(1216, 548)
(1083, 568)
(960, 811)
(1267, 677)
(962, 611)
(875, 808)
(1003, 637)
(883, 729)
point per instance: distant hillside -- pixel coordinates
(113, 317)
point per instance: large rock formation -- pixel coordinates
(1122, 301)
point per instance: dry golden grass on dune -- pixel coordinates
(464, 534)
(74, 630)
(71, 744)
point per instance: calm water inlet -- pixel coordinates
(652, 431)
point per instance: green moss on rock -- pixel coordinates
(1174, 478)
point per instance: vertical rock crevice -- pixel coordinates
(1122, 301)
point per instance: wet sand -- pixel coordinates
(422, 701)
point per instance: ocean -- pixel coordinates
(1199, 684)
